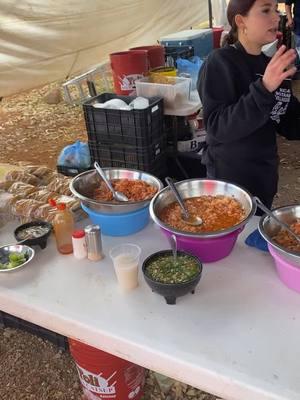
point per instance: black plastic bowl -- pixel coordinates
(39, 241)
(170, 291)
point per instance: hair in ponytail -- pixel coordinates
(236, 7)
(230, 38)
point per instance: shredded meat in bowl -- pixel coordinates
(135, 190)
(217, 212)
(284, 239)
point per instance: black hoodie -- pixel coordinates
(242, 117)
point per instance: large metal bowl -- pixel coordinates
(201, 187)
(268, 228)
(6, 250)
(84, 184)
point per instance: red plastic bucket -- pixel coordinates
(104, 376)
(127, 67)
(156, 55)
(217, 33)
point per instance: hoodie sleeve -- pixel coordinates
(229, 115)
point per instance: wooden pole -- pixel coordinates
(210, 15)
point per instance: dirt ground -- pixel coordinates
(31, 130)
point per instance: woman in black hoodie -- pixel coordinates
(247, 99)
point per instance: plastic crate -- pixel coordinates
(185, 166)
(135, 127)
(159, 168)
(125, 156)
(10, 321)
(70, 171)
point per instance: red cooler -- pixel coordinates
(104, 376)
(127, 67)
(156, 55)
(217, 33)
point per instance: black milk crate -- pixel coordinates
(10, 321)
(134, 127)
(125, 156)
(71, 171)
(159, 167)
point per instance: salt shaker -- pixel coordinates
(93, 242)
(79, 246)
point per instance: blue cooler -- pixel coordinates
(200, 39)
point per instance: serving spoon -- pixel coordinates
(185, 215)
(173, 241)
(119, 196)
(261, 205)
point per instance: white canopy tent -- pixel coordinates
(44, 41)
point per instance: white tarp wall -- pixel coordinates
(219, 8)
(46, 40)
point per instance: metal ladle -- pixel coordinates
(173, 242)
(270, 214)
(185, 215)
(116, 195)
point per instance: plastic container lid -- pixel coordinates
(185, 35)
(78, 234)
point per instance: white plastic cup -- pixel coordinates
(126, 258)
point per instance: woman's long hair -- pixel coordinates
(236, 7)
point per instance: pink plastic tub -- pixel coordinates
(207, 249)
(288, 273)
(207, 246)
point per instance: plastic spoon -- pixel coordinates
(117, 195)
(186, 217)
(270, 214)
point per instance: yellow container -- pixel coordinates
(163, 75)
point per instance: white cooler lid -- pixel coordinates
(188, 34)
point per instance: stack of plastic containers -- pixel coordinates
(126, 139)
(185, 142)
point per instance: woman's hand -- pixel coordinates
(278, 68)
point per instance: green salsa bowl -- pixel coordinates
(169, 279)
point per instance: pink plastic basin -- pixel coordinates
(288, 273)
(206, 249)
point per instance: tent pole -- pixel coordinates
(210, 16)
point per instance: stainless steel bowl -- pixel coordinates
(201, 187)
(5, 251)
(268, 228)
(84, 184)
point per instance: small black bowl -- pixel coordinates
(170, 291)
(39, 241)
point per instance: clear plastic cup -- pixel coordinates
(126, 258)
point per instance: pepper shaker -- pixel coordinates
(93, 242)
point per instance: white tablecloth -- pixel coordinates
(236, 337)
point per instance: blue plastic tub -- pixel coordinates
(119, 224)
